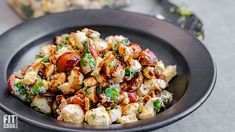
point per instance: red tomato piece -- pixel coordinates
(133, 97)
(67, 61)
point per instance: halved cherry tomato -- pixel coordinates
(80, 100)
(67, 61)
(133, 97)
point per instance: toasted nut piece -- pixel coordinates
(90, 81)
(135, 50)
(75, 78)
(125, 52)
(66, 88)
(57, 79)
(48, 50)
(49, 70)
(30, 77)
(91, 33)
(87, 104)
(37, 66)
(92, 95)
(149, 72)
(118, 74)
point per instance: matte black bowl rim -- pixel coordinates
(147, 127)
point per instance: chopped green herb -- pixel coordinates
(27, 10)
(83, 62)
(126, 41)
(20, 88)
(38, 56)
(99, 89)
(93, 115)
(88, 59)
(182, 11)
(37, 88)
(86, 47)
(35, 107)
(87, 92)
(138, 111)
(45, 60)
(67, 37)
(57, 48)
(128, 71)
(112, 93)
(157, 105)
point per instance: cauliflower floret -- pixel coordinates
(71, 113)
(127, 119)
(166, 97)
(81, 36)
(97, 116)
(114, 41)
(142, 90)
(152, 84)
(30, 78)
(41, 104)
(160, 67)
(100, 45)
(94, 35)
(147, 111)
(115, 113)
(135, 66)
(169, 72)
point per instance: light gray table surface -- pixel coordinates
(217, 114)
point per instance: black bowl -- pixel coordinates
(196, 70)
